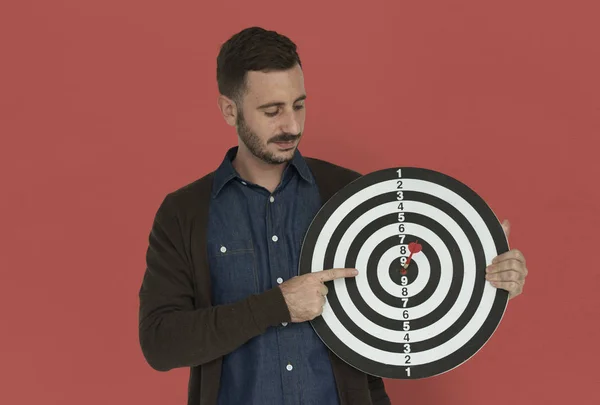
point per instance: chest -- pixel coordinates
(254, 237)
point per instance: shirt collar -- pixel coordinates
(226, 172)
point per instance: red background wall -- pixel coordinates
(108, 105)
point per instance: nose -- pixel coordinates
(290, 124)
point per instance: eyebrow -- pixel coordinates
(280, 103)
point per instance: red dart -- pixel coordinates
(413, 247)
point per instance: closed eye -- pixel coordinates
(273, 114)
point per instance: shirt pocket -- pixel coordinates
(232, 270)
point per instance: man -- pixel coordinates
(221, 293)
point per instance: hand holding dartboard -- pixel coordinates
(421, 241)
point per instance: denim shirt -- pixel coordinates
(254, 242)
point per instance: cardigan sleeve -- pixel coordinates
(377, 388)
(172, 332)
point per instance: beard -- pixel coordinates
(255, 145)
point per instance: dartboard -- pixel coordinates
(421, 240)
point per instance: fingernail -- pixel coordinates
(355, 272)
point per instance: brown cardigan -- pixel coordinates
(178, 326)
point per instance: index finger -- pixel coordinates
(332, 274)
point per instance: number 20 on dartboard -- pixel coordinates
(404, 278)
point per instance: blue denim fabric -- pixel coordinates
(288, 364)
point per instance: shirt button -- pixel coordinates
(289, 367)
(283, 323)
(244, 183)
(272, 199)
(279, 280)
(223, 249)
(275, 238)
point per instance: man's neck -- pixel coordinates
(256, 171)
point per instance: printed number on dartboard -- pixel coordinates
(403, 279)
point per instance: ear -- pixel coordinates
(228, 109)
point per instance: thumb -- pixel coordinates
(506, 227)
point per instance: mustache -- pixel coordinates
(285, 138)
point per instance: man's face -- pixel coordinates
(270, 120)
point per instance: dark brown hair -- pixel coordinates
(253, 48)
